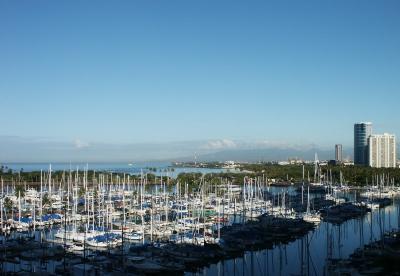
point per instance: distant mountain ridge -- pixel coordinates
(270, 154)
(276, 154)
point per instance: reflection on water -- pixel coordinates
(326, 242)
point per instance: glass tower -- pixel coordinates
(362, 131)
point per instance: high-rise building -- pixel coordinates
(382, 150)
(362, 131)
(338, 153)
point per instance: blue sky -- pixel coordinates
(84, 73)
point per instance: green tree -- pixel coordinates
(19, 191)
(81, 192)
(46, 200)
(8, 204)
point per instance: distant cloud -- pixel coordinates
(220, 144)
(50, 149)
(280, 145)
(80, 144)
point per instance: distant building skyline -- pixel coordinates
(362, 131)
(338, 153)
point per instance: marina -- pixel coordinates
(111, 222)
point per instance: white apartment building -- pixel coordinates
(382, 150)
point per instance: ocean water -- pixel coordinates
(163, 168)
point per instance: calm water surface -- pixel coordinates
(163, 168)
(326, 241)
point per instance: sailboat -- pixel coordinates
(317, 172)
(309, 216)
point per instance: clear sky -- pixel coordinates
(134, 72)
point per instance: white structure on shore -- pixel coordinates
(382, 150)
